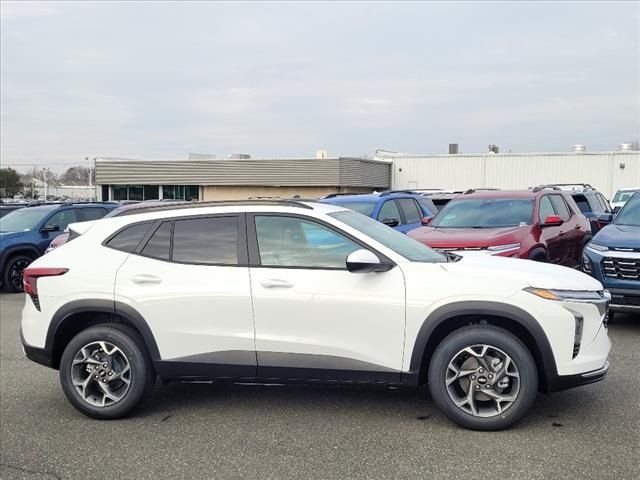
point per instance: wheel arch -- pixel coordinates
(29, 250)
(79, 315)
(451, 317)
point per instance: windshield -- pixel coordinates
(485, 213)
(630, 213)
(22, 220)
(398, 242)
(623, 195)
(365, 208)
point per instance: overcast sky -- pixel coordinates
(159, 80)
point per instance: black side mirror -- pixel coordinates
(617, 209)
(605, 218)
(51, 227)
(390, 222)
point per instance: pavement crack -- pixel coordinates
(26, 470)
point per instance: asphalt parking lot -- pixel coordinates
(278, 432)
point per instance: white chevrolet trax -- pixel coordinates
(296, 291)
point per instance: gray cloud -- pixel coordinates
(157, 80)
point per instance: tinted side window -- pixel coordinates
(546, 209)
(88, 214)
(410, 210)
(159, 245)
(129, 238)
(560, 207)
(212, 241)
(389, 210)
(62, 219)
(582, 203)
(603, 201)
(294, 242)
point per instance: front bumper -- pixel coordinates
(557, 383)
(625, 300)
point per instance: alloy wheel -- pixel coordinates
(101, 374)
(482, 380)
(16, 271)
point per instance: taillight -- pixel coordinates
(30, 278)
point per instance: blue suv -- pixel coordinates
(402, 210)
(26, 233)
(613, 257)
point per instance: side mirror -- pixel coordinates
(617, 209)
(426, 221)
(390, 222)
(605, 218)
(552, 221)
(51, 227)
(364, 261)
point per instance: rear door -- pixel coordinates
(189, 279)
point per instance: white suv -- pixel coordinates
(279, 291)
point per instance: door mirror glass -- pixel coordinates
(50, 227)
(605, 218)
(552, 221)
(364, 261)
(390, 222)
(426, 221)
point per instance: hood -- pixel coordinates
(535, 274)
(468, 237)
(625, 236)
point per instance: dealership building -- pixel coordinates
(204, 177)
(238, 177)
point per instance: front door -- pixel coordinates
(314, 319)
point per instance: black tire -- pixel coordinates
(12, 275)
(497, 338)
(539, 255)
(142, 377)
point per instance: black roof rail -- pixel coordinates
(481, 189)
(538, 188)
(414, 191)
(578, 184)
(333, 195)
(212, 203)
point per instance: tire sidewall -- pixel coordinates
(138, 362)
(495, 337)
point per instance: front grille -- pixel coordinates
(624, 249)
(621, 268)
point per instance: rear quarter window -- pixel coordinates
(127, 239)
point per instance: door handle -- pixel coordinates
(146, 279)
(276, 283)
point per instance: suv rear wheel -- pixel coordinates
(483, 377)
(105, 371)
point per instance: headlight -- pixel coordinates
(564, 294)
(503, 248)
(599, 248)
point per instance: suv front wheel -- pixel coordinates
(483, 377)
(105, 371)
(13, 270)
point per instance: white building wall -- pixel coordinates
(603, 170)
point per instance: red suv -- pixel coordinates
(542, 224)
